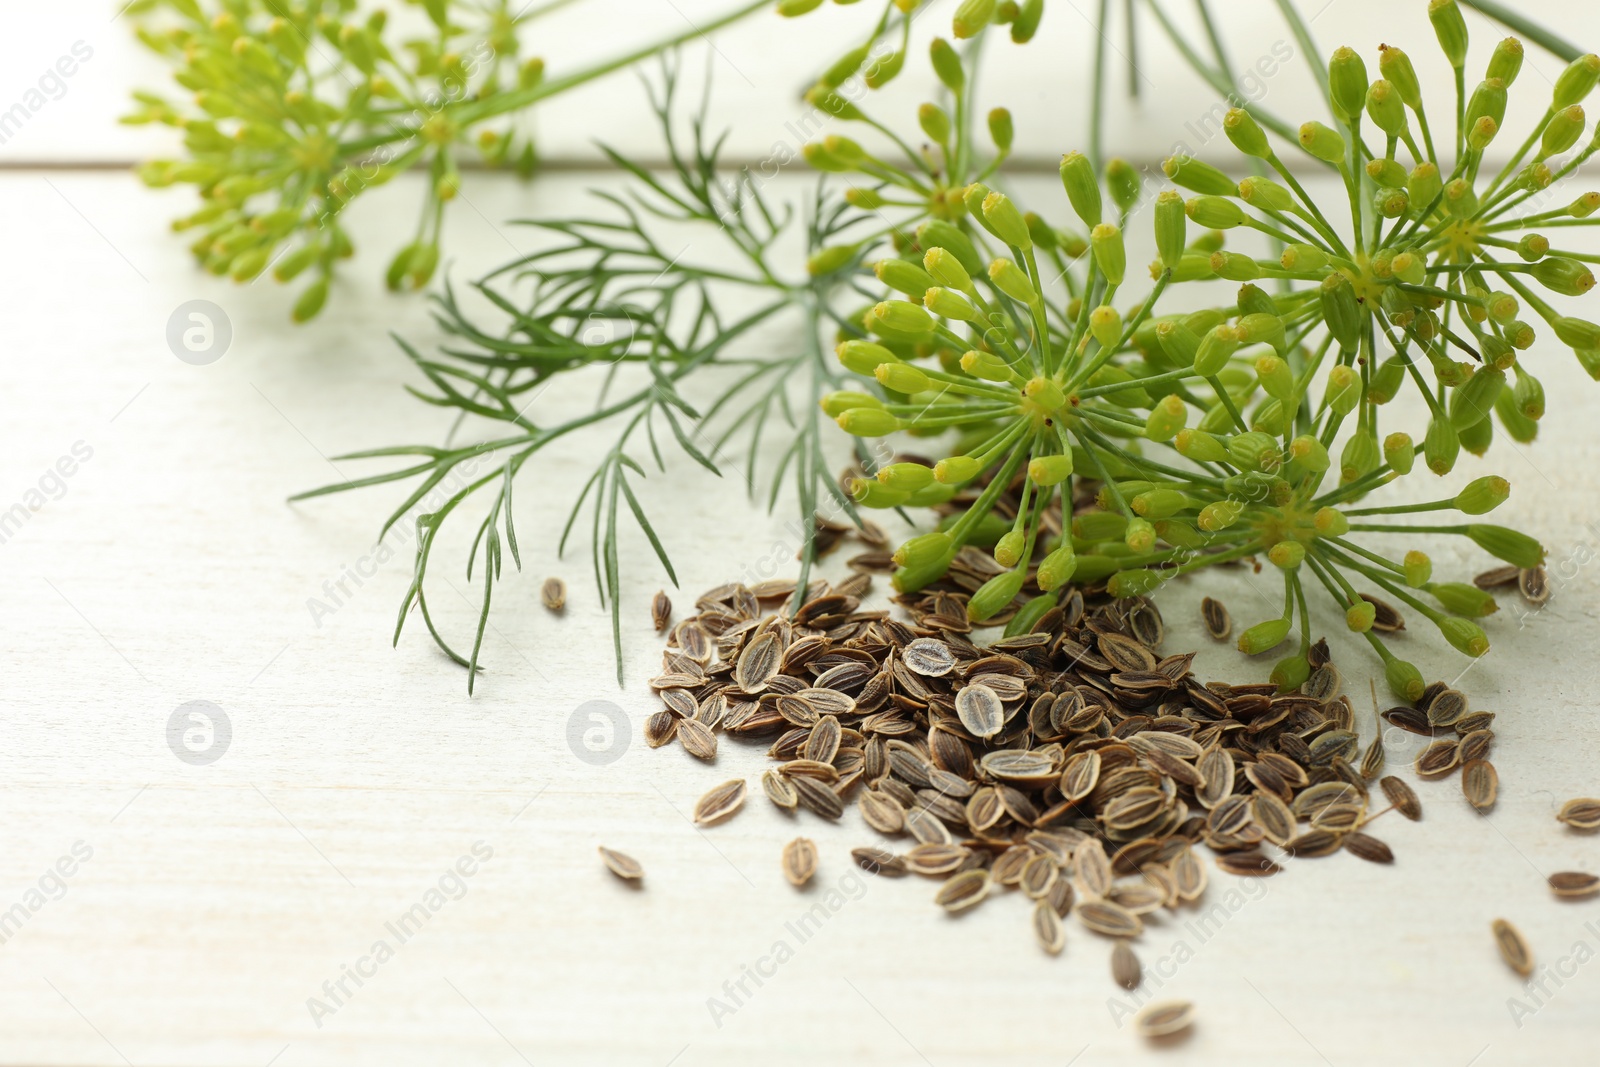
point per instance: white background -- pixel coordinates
(219, 898)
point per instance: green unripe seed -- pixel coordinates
(1396, 68)
(1124, 182)
(1215, 212)
(867, 422)
(1200, 446)
(1264, 194)
(1050, 470)
(1140, 536)
(1465, 636)
(1576, 82)
(1323, 142)
(1507, 544)
(1138, 582)
(1083, 190)
(1198, 176)
(1386, 109)
(1287, 555)
(1171, 228)
(903, 277)
(1056, 569)
(1418, 568)
(863, 357)
(1013, 281)
(1460, 598)
(1470, 403)
(1264, 636)
(1166, 418)
(1359, 457)
(956, 470)
(1109, 254)
(995, 595)
(1405, 681)
(1347, 84)
(1245, 133)
(1440, 446)
(1360, 616)
(943, 268)
(835, 404)
(1451, 29)
(1310, 453)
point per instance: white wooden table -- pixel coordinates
(216, 912)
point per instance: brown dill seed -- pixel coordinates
(1480, 784)
(1109, 920)
(963, 891)
(554, 594)
(929, 657)
(1048, 929)
(1534, 586)
(799, 860)
(1573, 884)
(1581, 814)
(757, 664)
(660, 611)
(1497, 577)
(882, 812)
(1218, 623)
(980, 710)
(877, 861)
(1387, 619)
(1125, 968)
(1402, 797)
(660, 728)
(720, 803)
(621, 864)
(1439, 759)
(697, 739)
(1513, 949)
(1368, 848)
(1165, 1019)
(779, 790)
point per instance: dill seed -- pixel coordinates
(929, 657)
(1513, 948)
(963, 891)
(1581, 814)
(1165, 1019)
(621, 864)
(1439, 759)
(1109, 920)
(720, 803)
(1574, 884)
(1047, 928)
(1388, 619)
(660, 611)
(1218, 623)
(779, 790)
(1534, 586)
(1368, 848)
(697, 740)
(800, 860)
(1125, 968)
(1497, 578)
(1402, 796)
(980, 710)
(877, 861)
(1480, 784)
(554, 594)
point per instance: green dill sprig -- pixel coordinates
(296, 110)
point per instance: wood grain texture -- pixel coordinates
(218, 899)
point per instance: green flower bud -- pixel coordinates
(1515, 548)
(1159, 503)
(1166, 418)
(936, 233)
(1460, 200)
(867, 422)
(884, 70)
(1589, 359)
(1460, 598)
(1219, 515)
(995, 595)
(1565, 127)
(1347, 84)
(1310, 453)
(1343, 392)
(1451, 29)
(1306, 259)
(1528, 395)
(956, 470)
(1008, 550)
(835, 404)
(1359, 457)
(947, 65)
(1473, 401)
(1330, 522)
(1083, 190)
(1109, 253)
(1056, 569)
(1139, 582)
(1419, 568)
(1026, 24)
(1287, 555)
(1215, 212)
(972, 17)
(1198, 177)
(1245, 133)
(1579, 333)
(1424, 185)
(1005, 221)
(1360, 616)
(310, 302)
(1323, 142)
(1561, 275)
(1488, 100)
(1263, 194)
(1576, 82)
(1464, 636)
(794, 8)
(1386, 172)
(1396, 68)
(825, 262)
(1341, 311)
(863, 357)
(1235, 266)
(1522, 429)
(1584, 206)
(1405, 681)
(942, 268)
(1506, 61)
(1216, 348)
(874, 494)
(1098, 526)
(1386, 380)
(1387, 110)
(1440, 446)
(1013, 281)
(925, 549)
(1140, 536)
(1046, 393)
(1171, 227)
(902, 378)
(1290, 673)
(1477, 438)
(1276, 377)
(1255, 451)
(903, 277)
(1482, 133)
(1124, 183)
(1264, 636)
(987, 367)
(908, 476)
(1002, 131)
(1192, 267)
(1106, 325)
(1050, 470)
(1043, 236)
(899, 317)
(1200, 446)
(1533, 247)
(935, 122)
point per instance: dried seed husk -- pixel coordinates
(1574, 884)
(1513, 948)
(823, 743)
(877, 861)
(1497, 577)
(697, 740)
(1438, 759)
(1125, 968)
(800, 860)
(1324, 683)
(660, 611)
(1274, 817)
(1048, 929)
(1108, 919)
(1372, 763)
(1218, 623)
(1081, 774)
(1165, 1019)
(1475, 745)
(621, 864)
(720, 803)
(1367, 847)
(1402, 796)
(1534, 585)
(554, 594)
(1190, 875)
(1582, 813)
(1217, 768)
(963, 891)
(1446, 708)
(1474, 721)
(1480, 784)
(980, 710)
